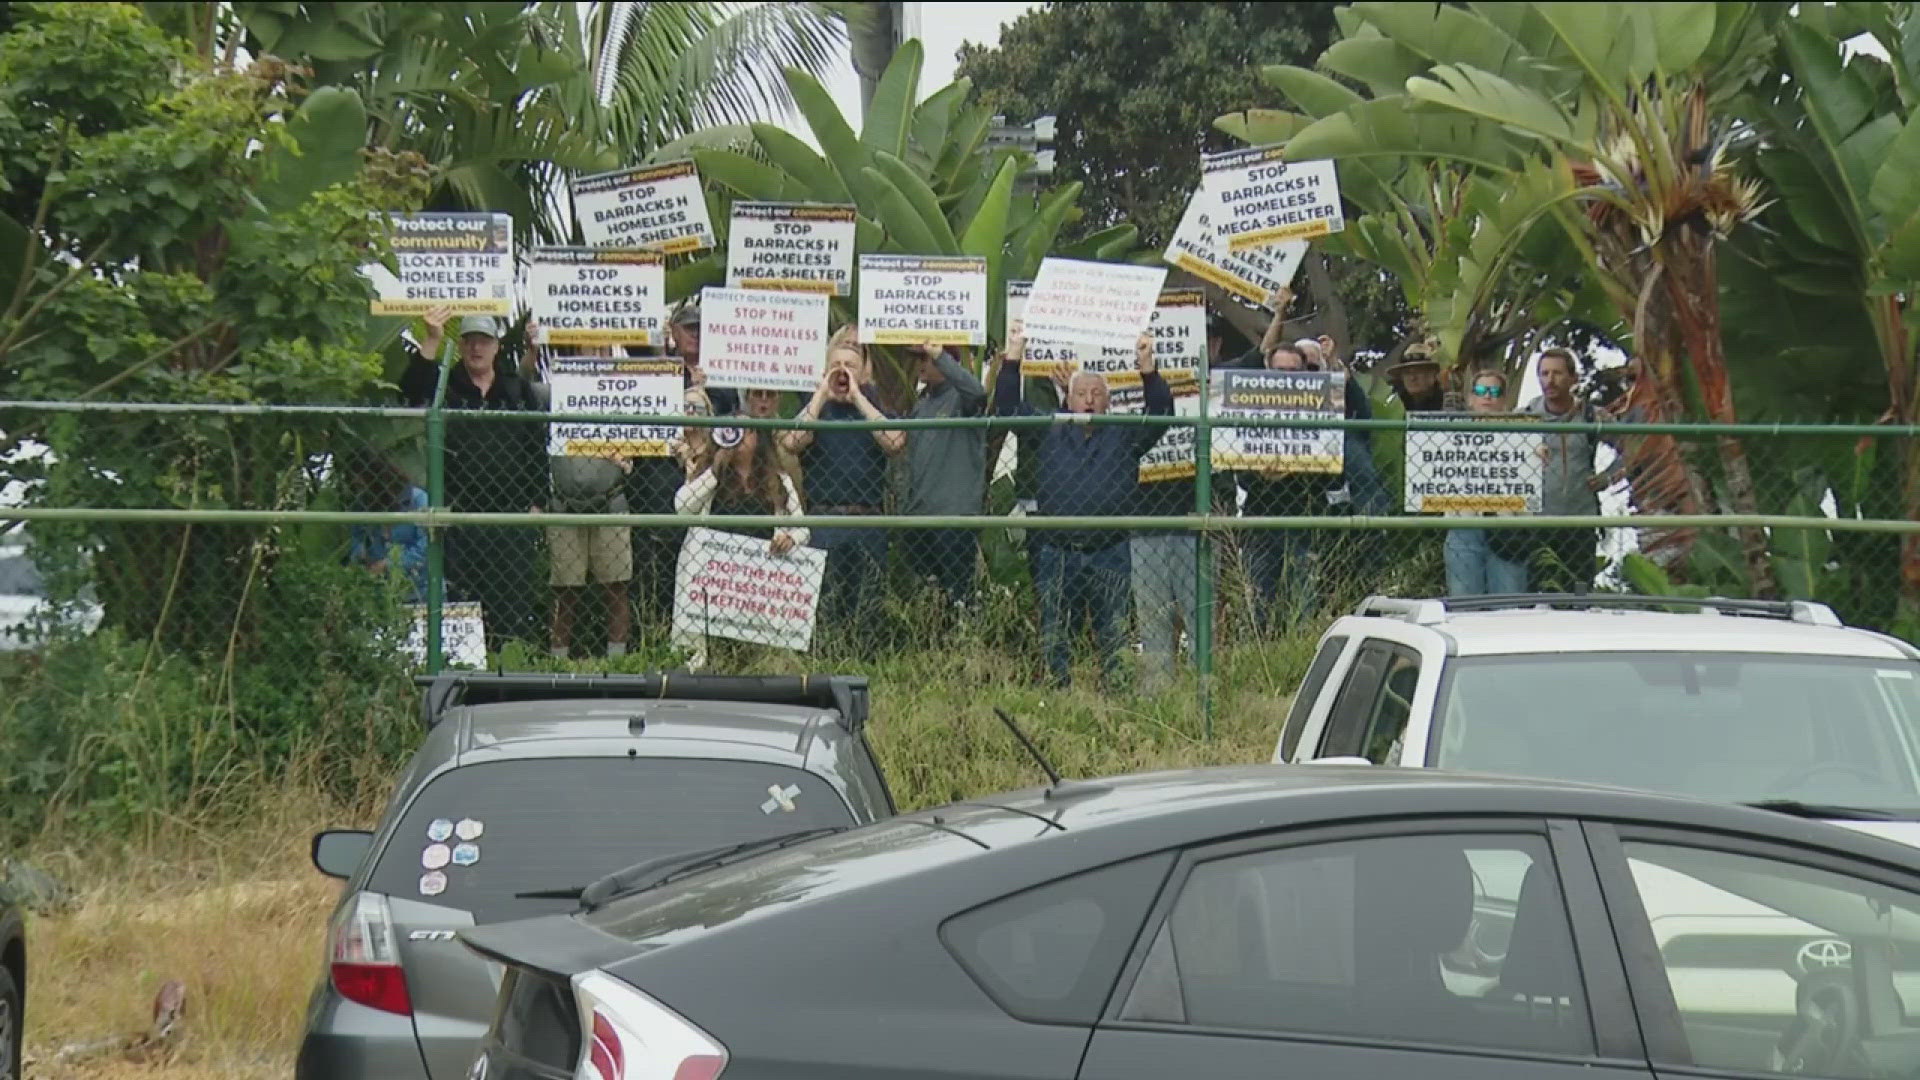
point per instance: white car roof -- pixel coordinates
(1516, 631)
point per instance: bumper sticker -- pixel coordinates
(435, 856)
(433, 883)
(466, 854)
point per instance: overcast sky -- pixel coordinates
(943, 29)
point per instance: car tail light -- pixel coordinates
(363, 957)
(626, 1035)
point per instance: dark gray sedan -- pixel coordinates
(531, 789)
(1257, 923)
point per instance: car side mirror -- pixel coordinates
(337, 852)
(1338, 760)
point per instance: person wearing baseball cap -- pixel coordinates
(491, 468)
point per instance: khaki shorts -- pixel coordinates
(604, 550)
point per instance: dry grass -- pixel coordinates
(231, 906)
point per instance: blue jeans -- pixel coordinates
(856, 564)
(1281, 565)
(1164, 584)
(946, 555)
(1068, 580)
(1474, 570)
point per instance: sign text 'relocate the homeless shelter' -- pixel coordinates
(729, 586)
(659, 207)
(598, 296)
(1264, 199)
(799, 247)
(1278, 395)
(460, 261)
(1256, 275)
(1172, 458)
(1178, 326)
(589, 384)
(909, 299)
(1091, 303)
(760, 339)
(1474, 472)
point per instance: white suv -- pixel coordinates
(1727, 700)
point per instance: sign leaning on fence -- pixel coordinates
(909, 299)
(656, 206)
(460, 261)
(761, 339)
(799, 247)
(1278, 395)
(1473, 472)
(591, 384)
(1092, 303)
(1173, 457)
(729, 586)
(463, 635)
(598, 296)
(1264, 199)
(1255, 275)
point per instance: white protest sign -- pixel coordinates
(588, 384)
(731, 586)
(759, 339)
(800, 247)
(655, 206)
(1474, 472)
(1254, 275)
(1278, 395)
(459, 261)
(1172, 458)
(1263, 198)
(1178, 326)
(598, 296)
(909, 299)
(463, 635)
(1091, 303)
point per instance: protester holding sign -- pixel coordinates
(1474, 568)
(845, 473)
(946, 472)
(1085, 470)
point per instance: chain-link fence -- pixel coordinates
(1120, 552)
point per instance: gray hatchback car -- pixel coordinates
(528, 789)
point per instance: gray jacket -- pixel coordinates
(947, 467)
(1570, 462)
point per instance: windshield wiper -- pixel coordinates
(1827, 811)
(645, 875)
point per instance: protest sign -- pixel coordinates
(459, 261)
(730, 586)
(1178, 326)
(1091, 303)
(1262, 198)
(655, 206)
(1278, 395)
(1474, 472)
(799, 247)
(759, 339)
(588, 384)
(908, 299)
(1042, 357)
(1172, 458)
(463, 635)
(1255, 275)
(598, 296)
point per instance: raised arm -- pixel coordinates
(973, 394)
(1154, 388)
(1006, 386)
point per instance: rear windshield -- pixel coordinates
(558, 823)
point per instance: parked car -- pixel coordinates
(1245, 922)
(1729, 700)
(527, 789)
(13, 989)
(26, 611)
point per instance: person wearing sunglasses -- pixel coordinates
(1474, 566)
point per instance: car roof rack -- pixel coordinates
(845, 694)
(1429, 612)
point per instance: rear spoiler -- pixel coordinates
(845, 694)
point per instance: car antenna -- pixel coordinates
(1057, 786)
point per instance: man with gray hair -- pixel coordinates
(1084, 470)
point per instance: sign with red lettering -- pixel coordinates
(763, 340)
(732, 586)
(1092, 303)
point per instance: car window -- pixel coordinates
(1776, 967)
(1347, 719)
(1387, 720)
(1308, 693)
(1052, 953)
(556, 823)
(1432, 939)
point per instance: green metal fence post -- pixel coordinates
(436, 500)
(1202, 629)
